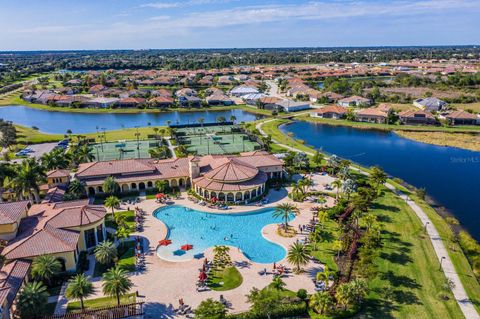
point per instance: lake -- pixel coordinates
(450, 175)
(60, 122)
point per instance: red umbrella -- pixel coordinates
(160, 195)
(214, 199)
(203, 276)
(186, 247)
(164, 242)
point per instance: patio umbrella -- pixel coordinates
(186, 247)
(214, 199)
(203, 276)
(160, 195)
(164, 242)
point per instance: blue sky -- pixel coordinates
(143, 24)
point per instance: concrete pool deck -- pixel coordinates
(163, 283)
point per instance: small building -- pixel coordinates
(10, 215)
(354, 101)
(292, 106)
(242, 90)
(161, 101)
(330, 112)
(431, 104)
(269, 102)
(416, 117)
(371, 115)
(58, 177)
(218, 99)
(461, 117)
(185, 92)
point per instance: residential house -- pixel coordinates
(461, 117)
(371, 115)
(415, 117)
(354, 101)
(186, 92)
(330, 112)
(269, 102)
(161, 101)
(431, 104)
(242, 90)
(218, 99)
(13, 276)
(104, 102)
(292, 106)
(251, 99)
(189, 101)
(10, 215)
(131, 102)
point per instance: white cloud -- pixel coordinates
(181, 4)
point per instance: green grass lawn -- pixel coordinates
(101, 302)
(408, 264)
(126, 259)
(230, 277)
(324, 251)
(129, 219)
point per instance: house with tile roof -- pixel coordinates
(11, 214)
(330, 112)
(415, 117)
(461, 117)
(371, 115)
(61, 229)
(12, 277)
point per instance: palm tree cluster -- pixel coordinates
(221, 258)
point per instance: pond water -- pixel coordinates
(204, 230)
(450, 175)
(60, 122)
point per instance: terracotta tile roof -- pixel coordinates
(232, 171)
(54, 195)
(212, 185)
(331, 109)
(12, 211)
(416, 113)
(12, 276)
(461, 114)
(371, 112)
(354, 99)
(114, 167)
(48, 240)
(384, 107)
(77, 216)
(58, 173)
(269, 100)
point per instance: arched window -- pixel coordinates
(230, 197)
(238, 197)
(149, 184)
(91, 191)
(221, 196)
(133, 186)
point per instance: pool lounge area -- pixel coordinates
(242, 231)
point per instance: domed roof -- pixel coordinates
(232, 172)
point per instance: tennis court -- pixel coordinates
(215, 140)
(123, 149)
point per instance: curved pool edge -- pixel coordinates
(191, 257)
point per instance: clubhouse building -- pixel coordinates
(236, 178)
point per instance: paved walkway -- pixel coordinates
(171, 148)
(61, 307)
(458, 291)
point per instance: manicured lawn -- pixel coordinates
(408, 264)
(101, 302)
(126, 261)
(225, 279)
(324, 251)
(129, 219)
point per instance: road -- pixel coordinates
(458, 291)
(273, 89)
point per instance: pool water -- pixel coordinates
(204, 230)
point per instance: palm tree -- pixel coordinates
(322, 218)
(110, 186)
(116, 283)
(32, 300)
(298, 255)
(79, 287)
(337, 184)
(321, 302)
(278, 283)
(112, 202)
(285, 211)
(324, 275)
(46, 267)
(233, 118)
(378, 176)
(56, 159)
(105, 252)
(337, 245)
(305, 184)
(29, 175)
(155, 129)
(77, 188)
(317, 158)
(6, 173)
(83, 154)
(161, 185)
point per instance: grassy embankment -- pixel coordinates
(30, 136)
(14, 99)
(460, 140)
(401, 223)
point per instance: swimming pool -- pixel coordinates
(204, 230)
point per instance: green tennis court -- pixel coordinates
(123, 149)
(215, 140)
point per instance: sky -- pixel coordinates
(164, 24)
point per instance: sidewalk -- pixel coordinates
(458, 291)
